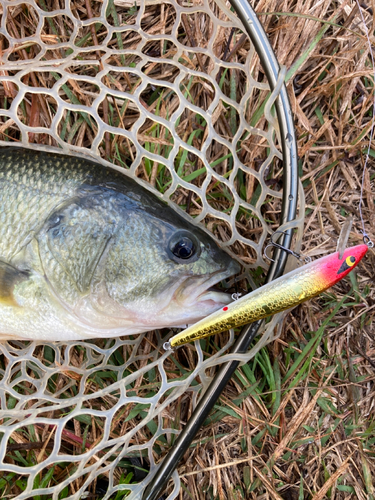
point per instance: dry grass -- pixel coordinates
(312, 435)
(298, 422)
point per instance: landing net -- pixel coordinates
(174, 94)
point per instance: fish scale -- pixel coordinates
(24, 203)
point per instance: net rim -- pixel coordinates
(284, 140)
(289, 209)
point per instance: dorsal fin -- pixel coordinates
(9, 277)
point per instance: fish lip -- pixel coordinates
(219, 298)
(213, 280)
(202, 292)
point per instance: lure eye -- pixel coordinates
(347, 264)
(350, 261)
(183, 247)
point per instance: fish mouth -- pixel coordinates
(206, 292)
(212, 293)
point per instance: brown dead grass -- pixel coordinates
(315, 439)
(332, 98)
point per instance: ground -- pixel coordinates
(297, 421)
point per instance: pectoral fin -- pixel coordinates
(9, 278)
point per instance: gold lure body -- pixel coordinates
(283, 293)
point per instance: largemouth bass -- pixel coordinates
(86, 252)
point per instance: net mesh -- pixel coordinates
(173, 93)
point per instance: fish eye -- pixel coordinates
(350, 261)
(183, 247)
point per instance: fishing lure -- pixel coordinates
(283, 293)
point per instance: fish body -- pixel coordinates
(87, 252)
(283, 293)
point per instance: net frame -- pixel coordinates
(24, 362)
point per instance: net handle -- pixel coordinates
(288, 212)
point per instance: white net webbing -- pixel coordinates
(173, 93)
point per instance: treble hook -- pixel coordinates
(301, 258)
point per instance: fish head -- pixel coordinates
(158, 272)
